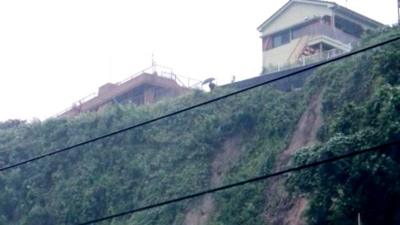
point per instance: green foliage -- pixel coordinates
(356, 119)
(160, 161)
(174, 157)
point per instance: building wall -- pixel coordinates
(280, 55)
(143, 89)
(294, 15)
(303, 24)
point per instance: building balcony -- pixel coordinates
(323, 29)
(304, 60)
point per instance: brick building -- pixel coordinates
(145, 87)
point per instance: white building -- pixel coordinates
(304, 31)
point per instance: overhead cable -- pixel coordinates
(241, 183)
(287, 75)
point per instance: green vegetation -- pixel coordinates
(157, 162)
(173, 157)
(362, 110)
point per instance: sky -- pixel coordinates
(55, 52)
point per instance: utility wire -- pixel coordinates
(51, 153)
(241, 183)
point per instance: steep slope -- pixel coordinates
(221, 164)
(282, 209)
(161, 161)
(351, 104)
(360, 110)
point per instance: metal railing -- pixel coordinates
(319, 56)
(304, 60)
(165, 72)
(158, 70)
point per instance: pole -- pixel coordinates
(359, 218)
(153, 63)
(398, 12)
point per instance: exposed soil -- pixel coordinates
(280, 208)
(200, 214)
(221, 164)
(306, 130)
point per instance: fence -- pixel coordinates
(161, 71)
(305, 60)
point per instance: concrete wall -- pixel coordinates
(286, 84)
(294, 15)
(149, 95)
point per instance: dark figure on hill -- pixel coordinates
(211, 85)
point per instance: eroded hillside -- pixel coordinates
(350, 104)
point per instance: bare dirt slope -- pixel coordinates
(280, 208)
(221, 164)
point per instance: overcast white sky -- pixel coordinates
(55, 52)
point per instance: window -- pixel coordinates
(327, 20)
(281, 38)
(348, 27)
(267, 43)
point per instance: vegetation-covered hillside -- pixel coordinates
(352, 104)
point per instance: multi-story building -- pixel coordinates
(146, 87)
(304, 31)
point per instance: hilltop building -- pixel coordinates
(146, 87)
(305, 31)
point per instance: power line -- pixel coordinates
(199, 104)
(241, 183)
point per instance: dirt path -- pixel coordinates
(280, 208)
(221, 164)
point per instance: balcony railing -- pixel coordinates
(305, 60)
(160, 71)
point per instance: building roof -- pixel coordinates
(110, 92)
(332, 5)
(353, 14)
